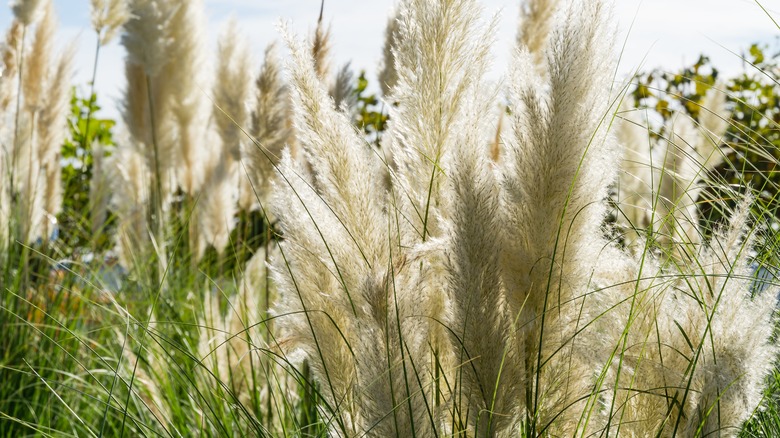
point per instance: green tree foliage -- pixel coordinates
(372, 116)
(77, 165)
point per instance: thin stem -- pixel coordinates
(267, 304)
(26, 226)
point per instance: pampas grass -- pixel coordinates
(36, 63)
(515, 285)
(320, 46)
(26, 10)
(10, 63)
(147, 39)
(387, 75)
(36, 129)
(660, 179)
(108, 17)
(279, 276)
(231, 112)
(186, 76)
(52, 132)
(270, 129)
(536, 18)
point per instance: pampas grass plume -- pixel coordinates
(26, 11)
(10, 65)
(52, 123)
(536, 19)
(231, 90)
(147, 34)
(343, 92)
(37, 63)
(320, 47)
(108, 16)
(217, 206)
(184, 80)
(52, 132)
(387, 73)
(99, 195)
(271, 120)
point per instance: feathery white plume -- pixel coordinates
(231, 91)
(129, 175)
(52, 133)
(99, 194)
(343, 91)
(147, 34)
(26, 11)
(271, 131)
(37, 61)
(387, 73)
(533, 32)
(320, 46)
(217, 206)
(185, 78)
(8, 78)
(108, 16)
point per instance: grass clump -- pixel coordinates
(274, 272)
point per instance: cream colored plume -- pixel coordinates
(233, 343)
(433, 94)
(218, 201)
(129, 176)
(9, 76)
(185, 78)
(52, 129)
(51, 135)
(231, 92)
(640, 175)
(29, 184)
(341, 87)
(558, 164)
(146, 106)
(38, 59)
(216, 207)
(714, 120)
(320, 47)
(343, 91)
(693, 334)
(271, 132)
(387, 73)
(482, 335)
(536, 21)
(26, 11)
(147, 36)
(659, 186)
(108, 16)
(99, 190)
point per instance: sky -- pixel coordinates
(653, 33)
